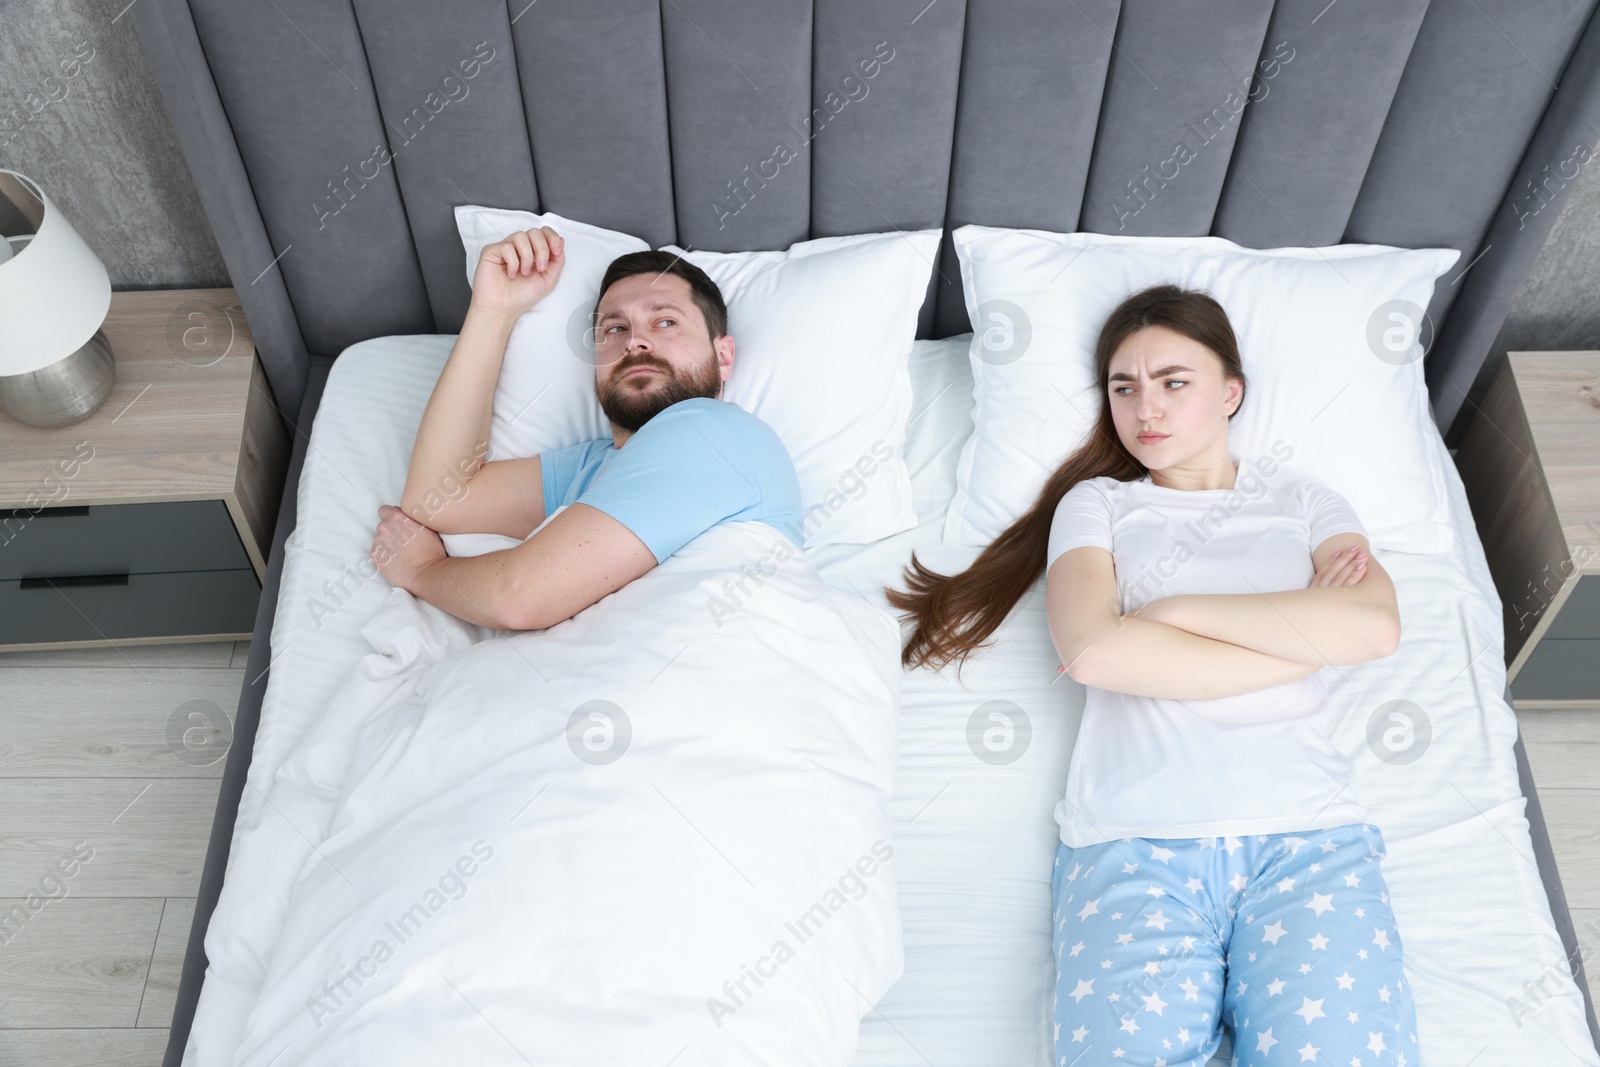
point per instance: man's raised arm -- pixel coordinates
(681, 462)
(453, 438)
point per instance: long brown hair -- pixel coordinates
(956, 614)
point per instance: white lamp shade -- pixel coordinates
(54, 293)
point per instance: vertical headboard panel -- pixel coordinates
(730, 99)
(884, 82)
(293, 78)
(595, 90)
(884, 111)
(1033, 73)
(447, 93)
(1322, 89)
(1179, 75)
(1479, 77)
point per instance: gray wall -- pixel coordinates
(1558, 306)
(102, 148)
(95, 136)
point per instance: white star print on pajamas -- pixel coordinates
(1163, 944)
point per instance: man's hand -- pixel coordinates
(402, 548)
(515, 274)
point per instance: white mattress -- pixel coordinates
(975, 841)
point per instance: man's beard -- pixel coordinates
(630, 407)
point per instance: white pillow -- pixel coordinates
(545, 397)
(1328, 338)
(822, 346)
(822, 335)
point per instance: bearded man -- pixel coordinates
(679, 461)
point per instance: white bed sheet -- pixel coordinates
(975, 840)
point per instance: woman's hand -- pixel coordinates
(1345, 567)
(515, 274)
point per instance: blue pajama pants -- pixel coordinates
(1288, 939)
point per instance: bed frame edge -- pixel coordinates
(245, 719)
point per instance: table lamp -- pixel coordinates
(55, 363)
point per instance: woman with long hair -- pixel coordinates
(1215, 866)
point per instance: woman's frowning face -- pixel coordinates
(1170, 401)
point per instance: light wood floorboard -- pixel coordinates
(1564, 754)
(1571, 816)
(131, 657)
(1563, 748)
(142, 836)
(119, 749)
(104, 722)
(82, 1048)
(76, 962)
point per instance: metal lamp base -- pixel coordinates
(67, 391)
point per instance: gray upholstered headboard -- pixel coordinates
(330, 141)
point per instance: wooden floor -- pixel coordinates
(1564, 752)
(100, 751)
(101, 754)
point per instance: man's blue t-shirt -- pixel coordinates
(695, 464)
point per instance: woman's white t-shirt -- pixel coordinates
(1254, 763)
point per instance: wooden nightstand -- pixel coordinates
(150, 521)
(1530, 462)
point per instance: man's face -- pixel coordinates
(652, 349)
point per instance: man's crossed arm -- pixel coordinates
(577, 558)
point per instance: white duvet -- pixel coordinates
(655, 833)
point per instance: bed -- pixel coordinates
(975, 841)
(1005, 114)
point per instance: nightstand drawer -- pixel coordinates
(1560, 670)
(183, 535)
(175, 604)
(1579, 617)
